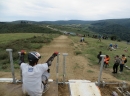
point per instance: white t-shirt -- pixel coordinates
(32, 78)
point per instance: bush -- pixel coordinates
(33, 43)
(77, 52)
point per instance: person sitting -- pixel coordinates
(126, 49)
(35, 76)
(115, 46)
(111, 47)
(82, 39)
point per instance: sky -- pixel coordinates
(53, 10)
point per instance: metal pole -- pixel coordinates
(64, 66)
(57, 66)
(21, 79)
(11, 63)
(101, 67)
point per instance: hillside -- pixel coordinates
(77, 66)
(24, 28)
(112, 27)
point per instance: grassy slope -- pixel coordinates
(19, 41)
(5, 38)
(93, 46)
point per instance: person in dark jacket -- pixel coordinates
(116, 64)
(99, 57)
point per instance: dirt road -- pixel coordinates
(77, 67)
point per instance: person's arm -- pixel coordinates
(49, 61)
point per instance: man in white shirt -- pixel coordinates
(33, 74)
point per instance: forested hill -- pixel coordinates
(117, 27)
(24, 28)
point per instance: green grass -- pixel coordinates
(5, 38)
(92, 48)
(21, 41)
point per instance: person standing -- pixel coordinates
(106, 61)
(99, 57)
(116, 64)
(122, 63)
(99, 38)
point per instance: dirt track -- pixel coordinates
(77, 66)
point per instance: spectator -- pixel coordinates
(106, 61)
(99, 57)
(99, 38)
(82, 39)
(122, 63)
(115, 46)
(126, 49)
(116, 64)
(110, 47)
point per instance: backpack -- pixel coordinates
(125, 60)
(117, 61)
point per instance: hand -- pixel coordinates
(48, 70)
(55, 53)
(49, 63)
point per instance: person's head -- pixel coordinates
(107, 56)
(117, 56)
(33, 58)
(100, 52)
(123, 55)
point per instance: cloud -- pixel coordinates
(63, 9)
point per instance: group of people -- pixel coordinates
(112, 47)
(118, 61)
(106, 59)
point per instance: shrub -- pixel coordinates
(77, 52)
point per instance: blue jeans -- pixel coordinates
(121, 67)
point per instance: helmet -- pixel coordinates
(33, 56)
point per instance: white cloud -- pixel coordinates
(60, 9)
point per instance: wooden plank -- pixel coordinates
(53, 90)
(83, 88)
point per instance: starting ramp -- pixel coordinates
(17, 88)
(83, 88)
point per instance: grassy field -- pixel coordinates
(5, 38)
(92, 46)
(21, 41)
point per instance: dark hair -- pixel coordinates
(117, 55)
(107, 56)
(100, 52)
(32, 63)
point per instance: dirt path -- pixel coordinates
(77, 67)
